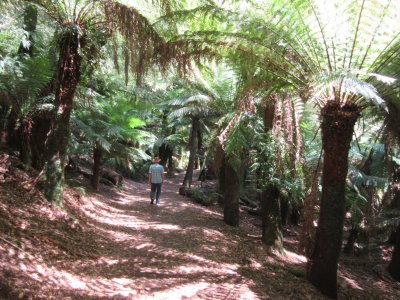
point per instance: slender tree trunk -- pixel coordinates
(370, 217)
(395, 185)
(187, 181)
(337, 130)
(394, 265)
(13, 140)
(165, 154)
(232, 184)
(221, 181)
(25, 132)
(40, 129)
(68, 77)
(197, 162)
(271, 221)
(309, 216)
(353, 234)
(392, 196)
(96, 172)
(270, 197)
(170, 165)
(284, 210)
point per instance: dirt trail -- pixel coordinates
(115, 245)
(178, 250)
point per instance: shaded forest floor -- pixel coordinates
(114, 245)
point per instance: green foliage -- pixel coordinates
(356, 205)
(191, 106)
(22, 81)
(296, 46)
(348, 84)
(113, 122)
(242, 138)
(203, 196)
(272, 163)
(135, 122)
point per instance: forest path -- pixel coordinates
(178, 250)
(114, 245)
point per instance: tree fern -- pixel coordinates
(23, 81)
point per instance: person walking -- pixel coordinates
(156, 178)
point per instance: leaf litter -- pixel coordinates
(115, 245)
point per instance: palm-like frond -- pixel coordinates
(346, 86)
(192, 106)
(242, 136)
(361, 180)
(23, 81)
(299, 40)
(172, 140)
(143, 45)
(198, 100)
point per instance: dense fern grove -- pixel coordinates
(296, 99)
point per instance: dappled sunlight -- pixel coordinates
(287, 258)
(352, 283)
(179, 292)
(205, 290)
(216, 269)
(293, 258)
(212, 234)
(145, 281)
(127, 222)
(125, 248)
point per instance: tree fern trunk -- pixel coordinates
(68, 75)
(271, 221)
(337, 130)
(394, 265)
(96, 172)
(164, 153)
(25, 134)
(309, 216)
(170, 165)
(395, 185)
(349, 248)
(270, 197)
(40, 130)
(187, 181)
(233, 180)
(221, 181)
(392, 196)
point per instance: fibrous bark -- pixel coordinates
(394, 265)
(96, 172)
(271, 221)
(68, 76)
(337, 130)
(233, 181)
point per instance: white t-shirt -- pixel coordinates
(156, 171)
